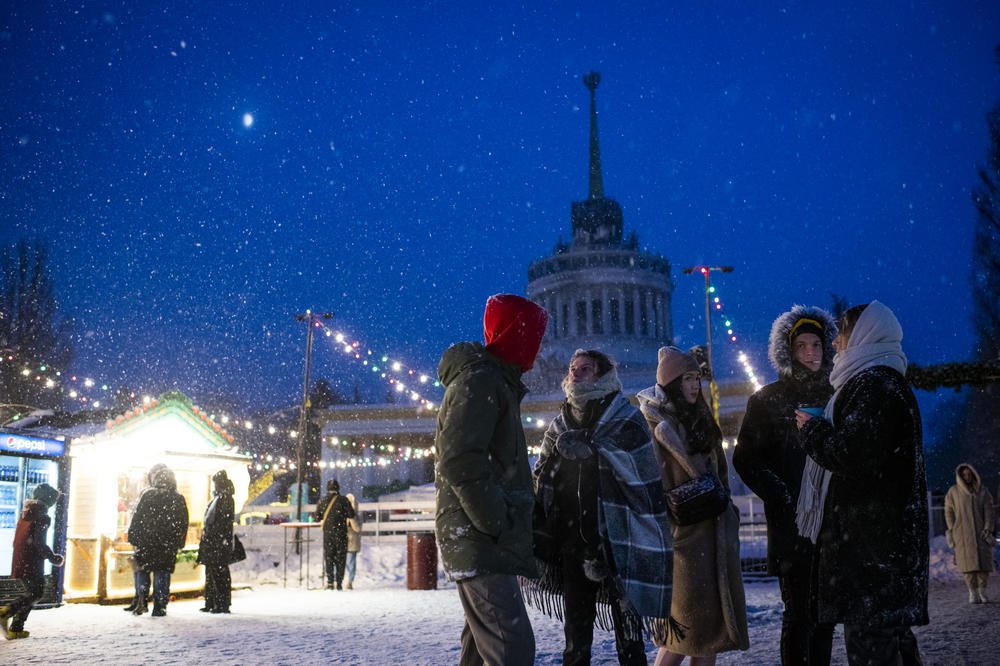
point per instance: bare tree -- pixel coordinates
(34, 338)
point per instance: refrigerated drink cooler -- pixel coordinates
(25, 462)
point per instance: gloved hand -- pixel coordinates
(574, 444)
(57, 560)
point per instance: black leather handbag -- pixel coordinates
(696, 500)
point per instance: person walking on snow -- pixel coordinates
(333, 511)
(969, 516)
(30, 553)
(863, 499)
(483, 481)
(770, 459)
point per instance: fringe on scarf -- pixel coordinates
(545, 594)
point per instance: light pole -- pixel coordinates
(309, 317)
(706, 270)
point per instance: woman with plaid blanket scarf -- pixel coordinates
(601, 532)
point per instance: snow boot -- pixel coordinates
(5, 621)
(18, 634)
(973, 597)
(982, 595)
(348, 586)
(158, 610)
(141, 607)
(131, 605)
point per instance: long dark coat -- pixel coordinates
(335, 524)
(770, 459)
(30, 549)
(159, 526)
(871, 568)
(768, 455)
(482, 476)
(216, 545)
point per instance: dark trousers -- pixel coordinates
(580, 599)
(161, 587)
(335, 558)
(883, 646)
(218, 587)
(803, 642)
(497, 629)
(20, 607)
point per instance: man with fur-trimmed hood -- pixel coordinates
(770, 459)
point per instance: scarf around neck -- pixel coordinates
(876, 340)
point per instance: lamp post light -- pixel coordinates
(713, 387)
(309, 317)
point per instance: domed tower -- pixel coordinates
(600, 290)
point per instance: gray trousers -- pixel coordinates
(497, 631)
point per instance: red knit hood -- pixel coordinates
(513, 328)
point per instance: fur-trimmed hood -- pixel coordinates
(778, 348)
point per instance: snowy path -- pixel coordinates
(386, 626)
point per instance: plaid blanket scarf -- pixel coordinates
(632, 522)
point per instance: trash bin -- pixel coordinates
(421, 561)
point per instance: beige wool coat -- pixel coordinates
(354, 527)
(708, 599)
(969, 516)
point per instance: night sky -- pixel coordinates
(205, 171)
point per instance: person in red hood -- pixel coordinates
(30, 553)
(484, 489)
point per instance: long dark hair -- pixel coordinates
(703, 432)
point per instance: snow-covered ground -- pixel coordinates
(381, 622)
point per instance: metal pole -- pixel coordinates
(712, 386)
(303, 415)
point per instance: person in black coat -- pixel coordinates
(863, 500)
(215, 550)
(333, 511)
(770, 459)
(157, 531)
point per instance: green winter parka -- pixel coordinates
(482, 477)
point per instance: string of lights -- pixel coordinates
(741, 355)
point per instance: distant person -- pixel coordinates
(863, 500)
(353, 543)
(333, 511)
(157, 531)
(969, 516)
(216, 548)
(770, 460)
(601, 529)
(483, 480)
(137, 575)
(708, 601)
(30, 553)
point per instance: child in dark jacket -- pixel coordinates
(30, 553)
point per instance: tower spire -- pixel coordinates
(596, 179)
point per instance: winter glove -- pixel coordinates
(574, 444)
(988, 537)
(57, 560)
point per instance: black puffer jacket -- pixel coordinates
(872, 563)
(159, 527)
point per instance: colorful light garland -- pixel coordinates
(741, 355)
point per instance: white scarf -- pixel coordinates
(578, 394)
(875, 340)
